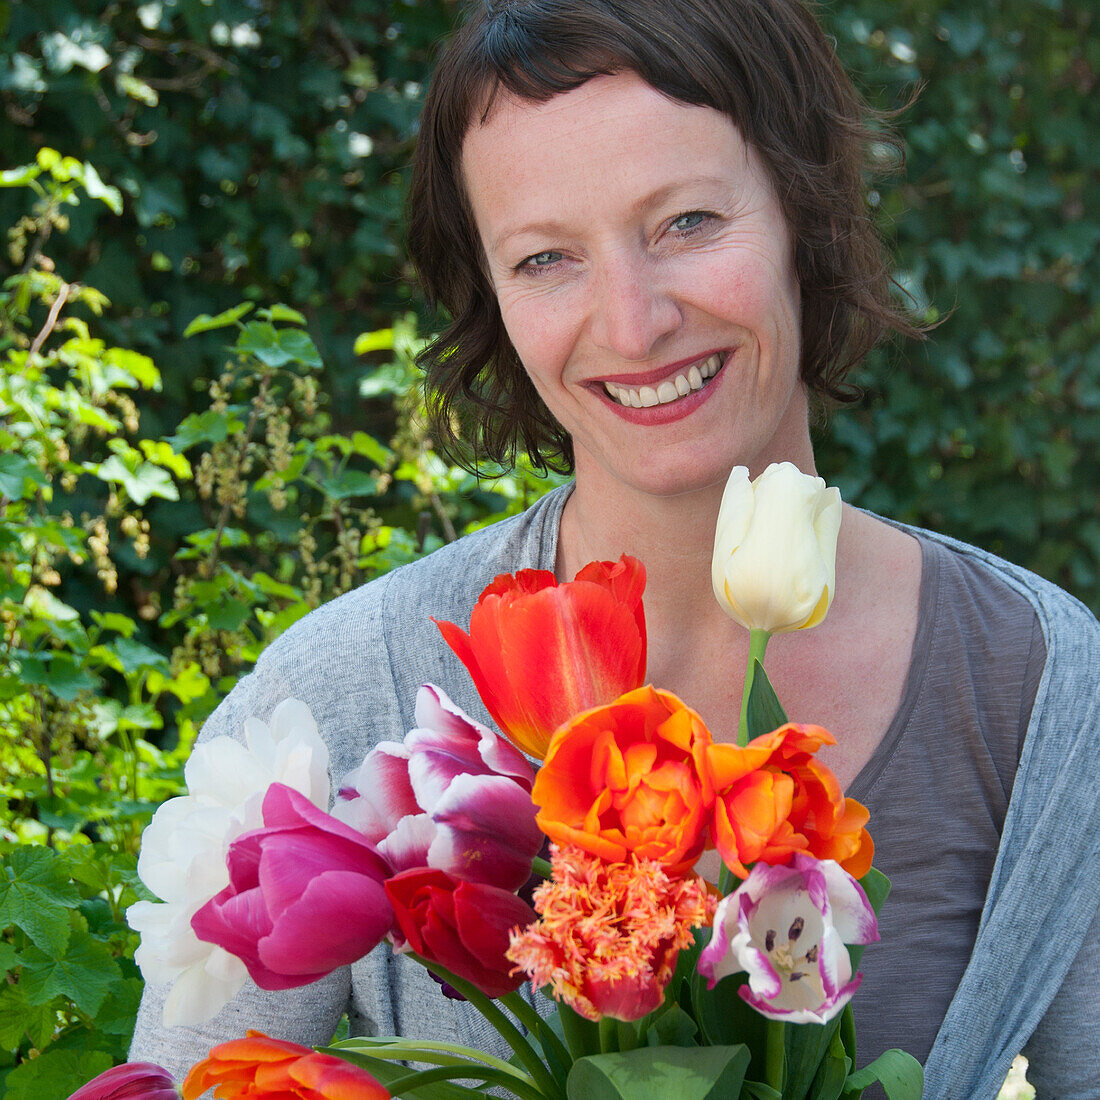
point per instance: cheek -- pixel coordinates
(542, 330)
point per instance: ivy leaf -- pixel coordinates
(36, 895)
(85, 973)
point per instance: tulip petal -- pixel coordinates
(374, 797)
(853, 915)
(235, 922)
(352, 909)
(441, 723)
(334, 1079)
(408, 845)
(486, 831)
(540, 652)
(133, 1081)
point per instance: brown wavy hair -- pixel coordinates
(767, 65)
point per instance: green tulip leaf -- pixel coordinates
(809, 1051)
(900, 1074)
(672, 1073)
(828, 1083)
(765, 712)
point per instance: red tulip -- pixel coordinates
(464, 926)
(302, 871)
(260, 1066)
(540, 652)
(135, 1081)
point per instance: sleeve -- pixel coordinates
(1063, 1055)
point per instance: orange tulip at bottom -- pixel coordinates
(259, 1066)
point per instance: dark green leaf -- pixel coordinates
(212, 426)
(85, 973)
(764, 712)
(55, 1073)
(672, 1073)
(36, 895)
(204, 322)
(901, 1076)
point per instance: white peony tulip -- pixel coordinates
(774, 564)
(183, 852)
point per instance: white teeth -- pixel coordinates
(672, 389)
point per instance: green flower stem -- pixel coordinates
(417, 1080)
(541, 866)
(609, 1035)
(537, 1026)
(774, 1069)
(758, 642)
(508, 1031)
(582, 1035)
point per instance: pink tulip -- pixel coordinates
(303, 871)
(136, 1081)
(453, 796)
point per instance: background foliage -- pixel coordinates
(208, 418)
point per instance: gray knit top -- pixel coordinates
(983, 800)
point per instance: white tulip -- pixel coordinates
(774, 564)
(184, 847)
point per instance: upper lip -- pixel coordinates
(659, 374)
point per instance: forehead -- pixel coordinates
(609, 139)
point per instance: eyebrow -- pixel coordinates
(657, 197)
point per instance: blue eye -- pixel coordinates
(691, 220)
(541, 259)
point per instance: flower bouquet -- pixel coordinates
(578, 877)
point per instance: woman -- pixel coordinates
(647, 222)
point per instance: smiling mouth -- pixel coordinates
(672, 389)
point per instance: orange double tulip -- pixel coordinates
(261, 1066)
(774, 799)
(629, 777)
(540, 652)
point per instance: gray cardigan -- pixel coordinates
(358, 661)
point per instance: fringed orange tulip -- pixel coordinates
(540, 652)
(610, 933)
(629, 777)
(774, 799)
(259, 1066)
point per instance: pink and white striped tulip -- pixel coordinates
(787, 928)
(454, 796)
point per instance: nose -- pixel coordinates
(631, 310)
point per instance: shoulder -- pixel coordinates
(358, 661)
(1064, 620)
(444, 584)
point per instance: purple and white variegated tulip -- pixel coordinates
(787, 927)
(454, 795)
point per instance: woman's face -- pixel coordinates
(645, 275)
